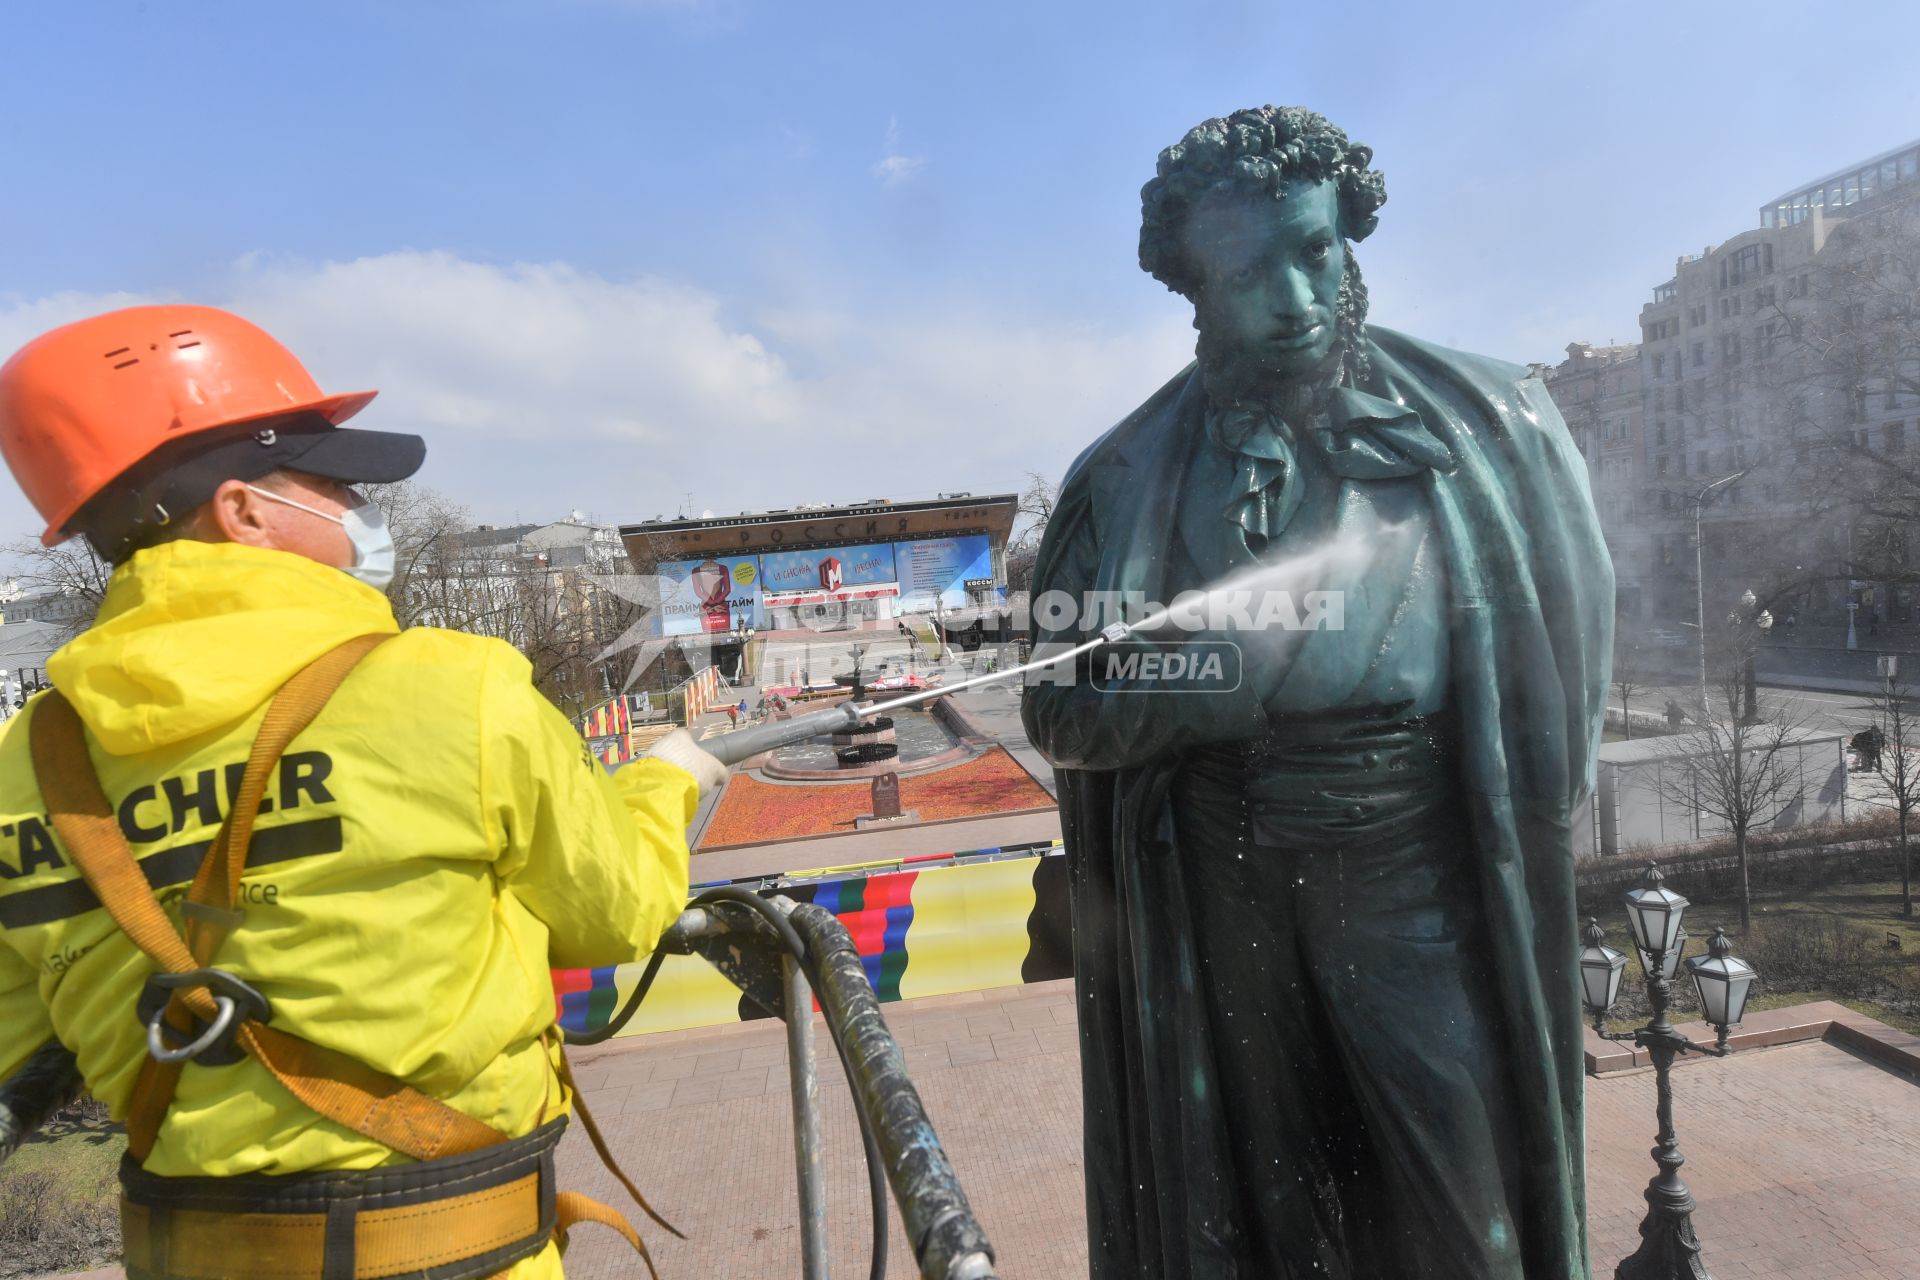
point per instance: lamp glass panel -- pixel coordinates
(1670, 963)
(1738, 989)
(1633, 923)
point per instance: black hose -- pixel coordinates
(624, 1014)
(795, 946)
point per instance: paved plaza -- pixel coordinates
(1804, 1157)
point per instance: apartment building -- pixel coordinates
(1727, 390)
(1598, 391)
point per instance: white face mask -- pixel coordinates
(366, 526)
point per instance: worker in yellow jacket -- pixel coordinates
(425, 848)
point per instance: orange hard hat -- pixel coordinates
(82, 404)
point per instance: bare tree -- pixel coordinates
(450, 574)
(1035, 509)
(1899, 737)
(1739, 769)
(427, 527)
(70, 569)
(1628, 660)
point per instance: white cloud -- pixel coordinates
(894, 170)
(895, 167)
(541, 387)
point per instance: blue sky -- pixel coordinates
(609, 253)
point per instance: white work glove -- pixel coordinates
(679, 748)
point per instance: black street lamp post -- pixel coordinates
(1668, 1250)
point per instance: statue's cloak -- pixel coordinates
(1531, 624)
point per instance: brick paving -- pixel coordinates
(1805, 1158)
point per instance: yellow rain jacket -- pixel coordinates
(432, 843)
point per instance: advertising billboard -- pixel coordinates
(831, 573)
(718, 594)
(938, 569)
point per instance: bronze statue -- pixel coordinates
(1323, 918)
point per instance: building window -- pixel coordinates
(1699, 354)
(1660, 466)
(1659, 433)
(1730, 347)
(1893, 394)
(1680, 398)
(1895, 435)
(1666, 500)
(1766, 259)
(1746, 264)
(1660, 364)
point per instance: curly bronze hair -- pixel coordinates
(1251, 153)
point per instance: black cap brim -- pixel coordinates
(354, 456)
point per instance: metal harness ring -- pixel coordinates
(157, 1041)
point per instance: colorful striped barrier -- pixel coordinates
(924, 927)
(607, 719)
(701, 690)
(608, 729)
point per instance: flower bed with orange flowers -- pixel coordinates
(754, 812)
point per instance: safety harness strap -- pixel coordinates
(571, 1207)
(605, 1153)
(339, 1087)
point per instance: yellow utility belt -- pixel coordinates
(456, 1218)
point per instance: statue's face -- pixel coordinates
(1270, 275)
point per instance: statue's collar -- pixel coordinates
(1364, 436)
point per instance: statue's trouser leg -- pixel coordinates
(1357, 1046)
(1289, 1124)
(1409, 992)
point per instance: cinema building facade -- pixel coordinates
(828, 566)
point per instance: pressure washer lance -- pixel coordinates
(742, 744)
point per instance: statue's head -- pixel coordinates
(1252, 218)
